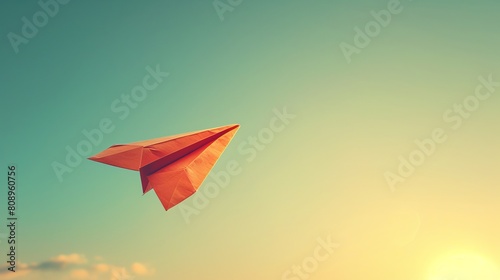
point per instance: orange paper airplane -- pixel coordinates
(173, 166)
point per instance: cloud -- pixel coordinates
(60, 262)
(5, 274)
(70, 259)
(57, 263)
(121, 273)
(80, 274)
(102, 267)
(75, 266)
(141, 269)
(21, 269)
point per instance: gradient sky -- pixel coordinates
(321, 177)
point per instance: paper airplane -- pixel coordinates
(173, 166)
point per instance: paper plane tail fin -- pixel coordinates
(124, 156)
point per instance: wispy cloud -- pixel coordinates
(76, 266)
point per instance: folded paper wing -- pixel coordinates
(174, 166)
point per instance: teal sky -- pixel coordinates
(322, 175)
